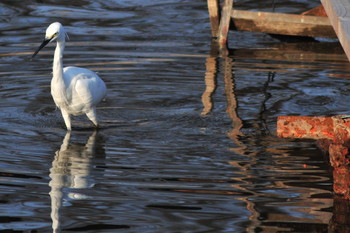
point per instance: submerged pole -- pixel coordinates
(220, 20)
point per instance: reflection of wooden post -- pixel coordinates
(231, 99)
(210, 84)
(211, 66)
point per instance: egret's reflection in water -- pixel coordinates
(71, 172)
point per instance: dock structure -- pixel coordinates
(331, 20)
(331, 133)
(283, 24)
(312, 23)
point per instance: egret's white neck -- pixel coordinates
(57, 60)
(58, 85)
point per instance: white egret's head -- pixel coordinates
(54, 32)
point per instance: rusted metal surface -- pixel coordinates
(341, 181)
(333, 136)
(334, 128)
(316, 11)
(305, 127)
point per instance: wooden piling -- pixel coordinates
(220, 23)
(225, 23)
(213, 8)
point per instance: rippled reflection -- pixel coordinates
(187, 151)
(276, 201)
(212, 63)
(70, 173)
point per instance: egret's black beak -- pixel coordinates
(45, 42)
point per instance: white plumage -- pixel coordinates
(75, 90)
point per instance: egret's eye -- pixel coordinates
(55, 35)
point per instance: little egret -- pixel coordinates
(75, 90)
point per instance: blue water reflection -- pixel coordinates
(187, 140)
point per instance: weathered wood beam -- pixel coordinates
(225, 22)
(338, 12)
(213, 8)
(284, 24)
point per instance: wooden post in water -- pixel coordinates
(225, 23)
(213, 8)
(220, 27)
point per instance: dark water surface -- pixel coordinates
(188, 139)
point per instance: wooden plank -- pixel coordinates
(213, 8)
(284, 24)
(225, 22)
(338, 12)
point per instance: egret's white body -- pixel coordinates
(75, 90)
